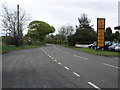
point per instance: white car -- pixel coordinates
(117, 48)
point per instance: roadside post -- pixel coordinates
(100, 32)
(118, 27)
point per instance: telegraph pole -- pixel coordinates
(18, 39)
(118, 27)
(19, 28)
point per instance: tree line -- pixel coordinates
(10, 24)
(84, 33)
(41, 32)
(37, 29)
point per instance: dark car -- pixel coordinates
(107, 44)
(94, 46)
(112, 48)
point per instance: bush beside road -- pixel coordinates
(8, 48)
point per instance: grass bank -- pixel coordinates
(93, 51)
(8, 48)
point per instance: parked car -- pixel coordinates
(112, 48)
(117, 48)
(104, 47)
(107, 44)
(92, 45)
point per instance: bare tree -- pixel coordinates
(65, 31)
(10, 19)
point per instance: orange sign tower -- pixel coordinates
(100, 31)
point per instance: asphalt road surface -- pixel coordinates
(58, 67)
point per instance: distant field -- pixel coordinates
(93, 51)
(7, 48)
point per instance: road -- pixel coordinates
(58, 67)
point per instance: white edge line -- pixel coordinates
(66, 52)
(80, 57)
(111, 65)
(76, 74)
(75, 55)
(66, 67)
(94, 85)
(84, 58)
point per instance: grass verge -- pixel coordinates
(93, 51)
(8, 48)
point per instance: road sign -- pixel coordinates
(100, 31)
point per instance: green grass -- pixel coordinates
(8, 48)
(93, 51)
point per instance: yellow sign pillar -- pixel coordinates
(100, 31)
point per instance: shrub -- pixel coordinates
(8, 40)
(71, 40)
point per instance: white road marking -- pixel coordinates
(52, 58)
(94, 85)
(55, 60)
(76, 74)
(47, 54)
(66, 52)
(57, 48)
(66, 67)
(43, 51)
(111, 65)
(59, 63)
(75, 55)
(80, 57)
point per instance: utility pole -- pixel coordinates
(118, 27)
(19, 29)
(18, 39)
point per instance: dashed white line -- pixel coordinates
(66, 67)
(111, 65)
(76, 74)
(52, 58)
(43, 51)
(59, 63)
(93, 85)
(55, 60)
(66, 52)
(80, 57)
(47, 54)
(57, 48)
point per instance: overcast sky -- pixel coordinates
(63, 12)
